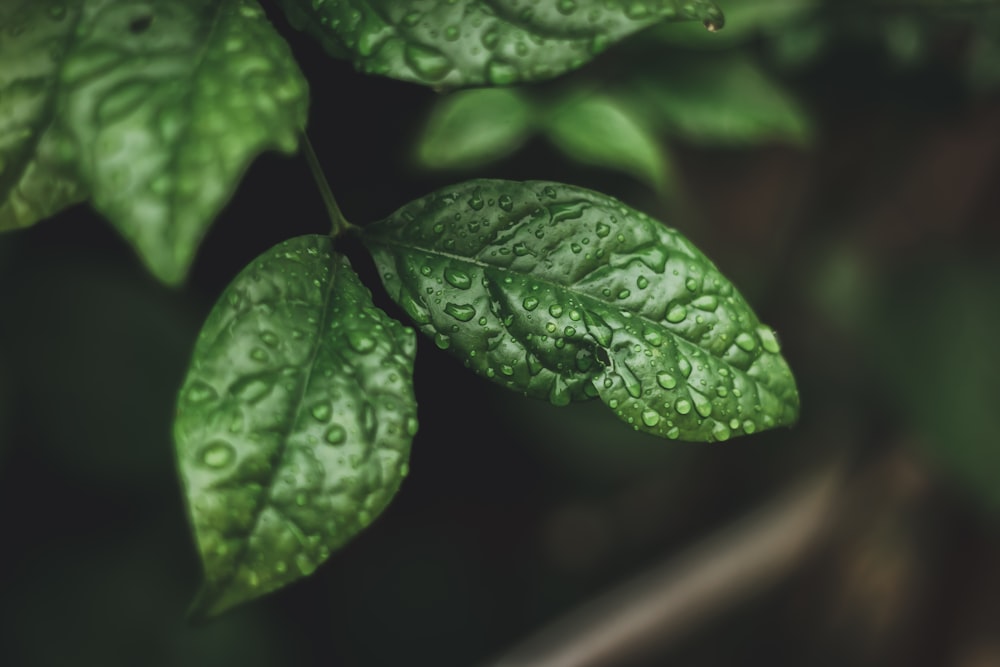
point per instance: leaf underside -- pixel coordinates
(448, 43)
(152, 110)
(294, 423)
(567, 294)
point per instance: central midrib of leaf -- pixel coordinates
(189, 104)
(323, 320)
(584, 297)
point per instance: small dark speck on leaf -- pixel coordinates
(140, 24)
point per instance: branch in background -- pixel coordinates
(662, 605)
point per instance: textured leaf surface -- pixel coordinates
(567, 294)
(294, 424)
(451, 43)
(152, 110)
(35, 36)
(471, 128)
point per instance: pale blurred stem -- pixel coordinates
(338, 223)
(665, 603)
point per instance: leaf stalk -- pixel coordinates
(338, 223)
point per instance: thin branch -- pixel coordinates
(661, 605)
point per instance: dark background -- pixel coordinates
(873, 252)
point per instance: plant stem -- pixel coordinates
(338, 222)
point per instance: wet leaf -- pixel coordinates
(153, 111)
(471, 128)
(453, 43)
(567, 294)
(294, 424)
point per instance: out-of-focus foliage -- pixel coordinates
(935, 333)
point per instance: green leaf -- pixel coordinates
(724, 99)
(606, 132)
(294, 424)
(34, 182)
(154, 111)
(567, 294)
(453, 43)
(472, 128)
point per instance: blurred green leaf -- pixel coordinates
(723, 99)
(935, 329)
(154, 111)
(605, 132)
(471, 128)
(454, 43)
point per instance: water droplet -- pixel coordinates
(430, 64)
(746, 342)
(721, 432)
(361, 342)
(463, 312)
(673, 433)
(258, 354)
(603, 230)
(442, 341)
(650, 418)
(521, 249)
(500, 73)
(457, 278)
(530, 303)
(632, 384)
(199, 392)
(676, 314)
(559, 393)
(321, 411)
(335, 435)
(217, 454)
(414, 309)
(683, 406)
(702, 405)
(451, 33)
(569, 331)
(476, 201)
(566, 6)
(505, 202)
(768, 340)
(653, 337)
(707, 303)
(685, 367)
(691, 284)
(305, 564)
(642, 282)
(666, 380)
(555, 310)
(624, 294)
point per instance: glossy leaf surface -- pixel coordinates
(452, 43)
(152, 110)
(294, 424)
(567, 294)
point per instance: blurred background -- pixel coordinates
(839, 161)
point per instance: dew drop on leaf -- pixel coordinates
(217, 454)
(457, 278)
(462, 312)
(335, 435)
